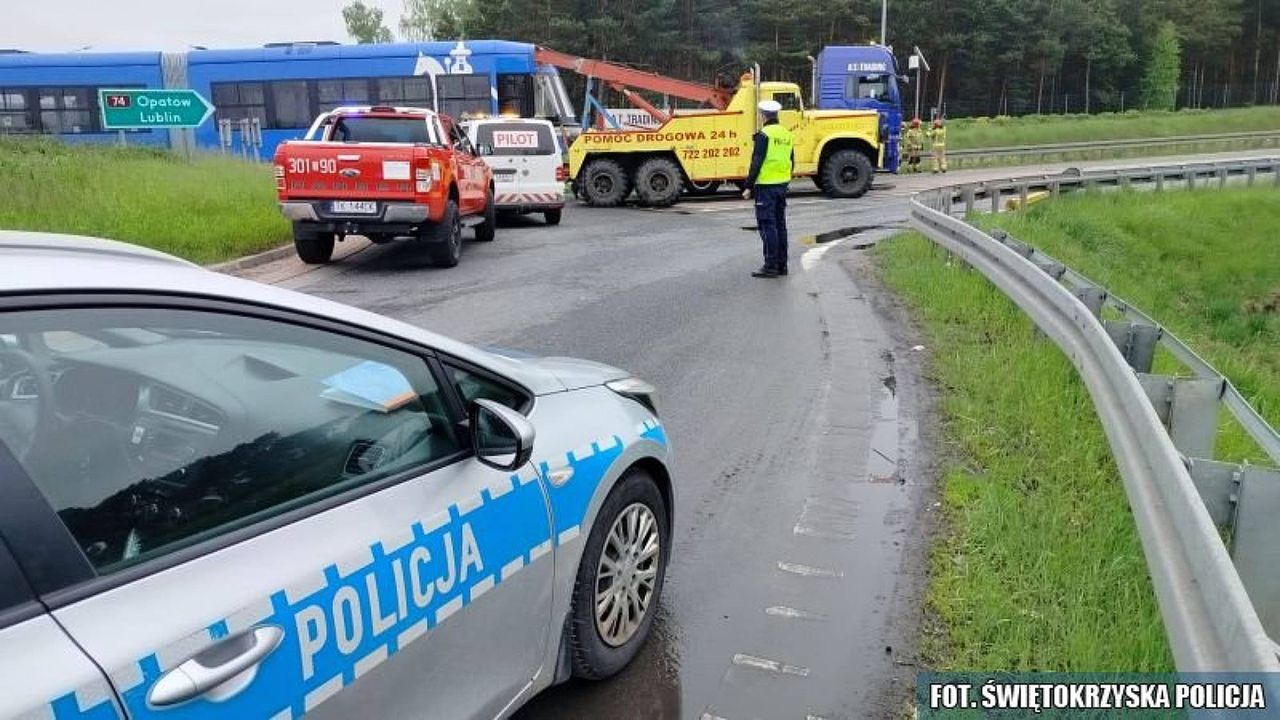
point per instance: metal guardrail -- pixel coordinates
(1254, 139)
(1220, 600)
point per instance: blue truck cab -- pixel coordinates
(862, 77)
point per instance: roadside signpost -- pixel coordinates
(152, 109)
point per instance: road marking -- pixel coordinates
(792, 613)
(709, 716)
(808, 570)
(813, 255)
(768, 665)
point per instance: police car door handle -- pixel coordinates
(218, 671)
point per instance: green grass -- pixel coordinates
(207, 209)
(1038, 566)
(1203, 263)
(979, 132)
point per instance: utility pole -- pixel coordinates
(884, 22)
(917, 62)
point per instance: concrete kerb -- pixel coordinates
(249, 261)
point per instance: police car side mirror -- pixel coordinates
(501, 437)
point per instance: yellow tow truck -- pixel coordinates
(695, 151)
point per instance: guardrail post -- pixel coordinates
(1124, 182)
(1137, 342)
(1159, 182)
(1188, 407)
(1255, 542)
(970, 197)
(1219, 486)
(994, 192)
(1252, 174)
(1191, 179)
(1055, 188)
(1022, 196)
(1222, 177)
(1092, 297)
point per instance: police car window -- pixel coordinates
(474, 387)
(177, 426)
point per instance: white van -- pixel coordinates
(527, 162)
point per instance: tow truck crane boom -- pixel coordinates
(623, 79)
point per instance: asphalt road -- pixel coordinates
(800, 429)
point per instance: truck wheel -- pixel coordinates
(552, 216)
(620, 578)
(658, 182)
(485, 231)
(846, 174)
(607, 184)
(704, 188)
(444, 239)
(314, 248)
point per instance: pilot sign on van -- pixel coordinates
(515, 139)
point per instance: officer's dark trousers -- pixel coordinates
(771, 218)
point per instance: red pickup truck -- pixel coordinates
(384, 172)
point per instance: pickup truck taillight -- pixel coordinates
(562, 173)
(279, 177)
(426, 177)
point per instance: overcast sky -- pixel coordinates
(67, 25)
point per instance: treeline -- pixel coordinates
(987, 56)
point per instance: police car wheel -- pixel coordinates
(847, 174)
(619, 578)
(659, 182)
(552, 217)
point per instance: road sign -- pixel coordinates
(140, 108)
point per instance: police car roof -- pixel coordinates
(44, 263)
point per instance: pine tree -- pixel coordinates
(1160, 82)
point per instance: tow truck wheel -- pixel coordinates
(314, 248)
(620, 577)
(486, 230)
(444, 239)
(706, 188)
(846, 174)
(606, 183)
(658, 182)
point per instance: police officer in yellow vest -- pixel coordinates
(771, 164)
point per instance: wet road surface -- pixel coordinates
(796, 415)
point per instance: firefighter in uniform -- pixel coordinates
(772, 161)
(915, 145)
(939, 137)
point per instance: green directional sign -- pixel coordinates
(140, 108)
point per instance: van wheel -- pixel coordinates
(606, 183)
(658, 182)
(486, 230)
(313, 248)
(443, 240)
(552, 216)
(620, 577)
(846, 174)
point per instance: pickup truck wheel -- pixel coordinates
(658, 182)
(444, 239)
(314, 248)
(846, 174)
(486, 230)
(606, 183)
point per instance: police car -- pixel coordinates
(220, 499)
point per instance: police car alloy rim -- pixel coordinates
(627, 573)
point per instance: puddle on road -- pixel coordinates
(884, 459)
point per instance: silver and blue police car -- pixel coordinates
(220, 499)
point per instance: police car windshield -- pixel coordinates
(365, 129)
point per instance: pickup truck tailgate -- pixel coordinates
(348, 171)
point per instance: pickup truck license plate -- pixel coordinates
(354, 207)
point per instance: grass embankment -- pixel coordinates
(1039, 566)
(207, 209)
(1049, 129)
